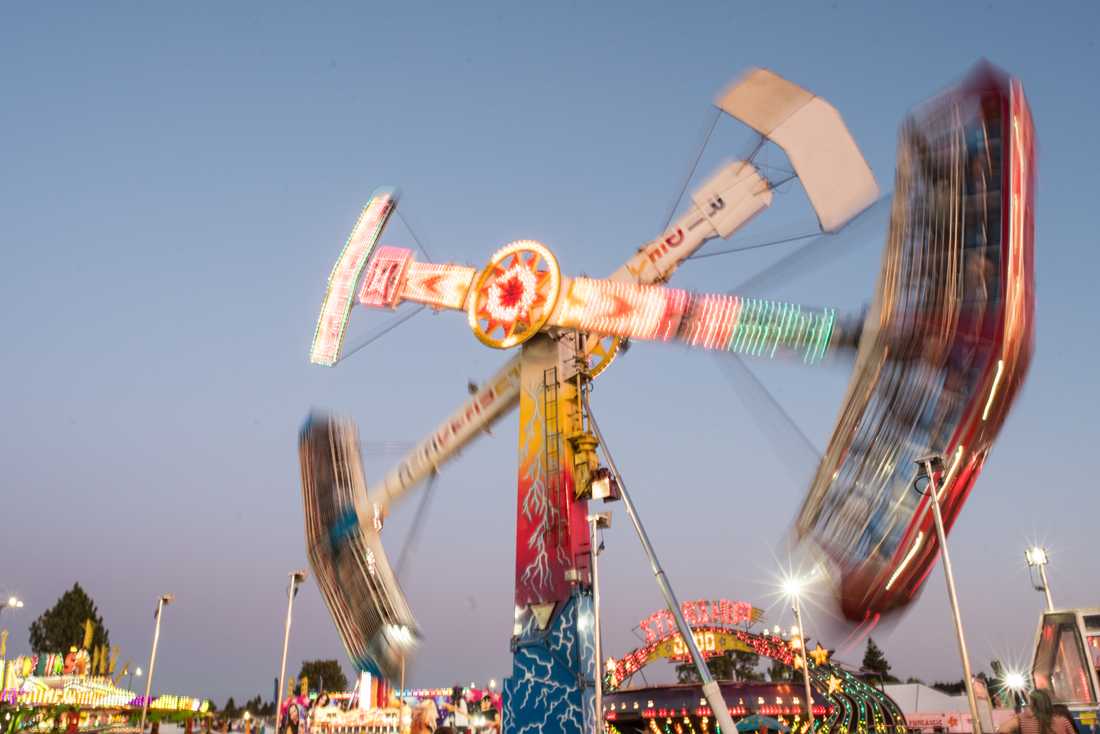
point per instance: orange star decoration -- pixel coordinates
(820, 655)
(798, 662)
(834, 685)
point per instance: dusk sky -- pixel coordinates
(178, 179)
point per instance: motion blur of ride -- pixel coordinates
(938, 357)
(345, 551)
(944, 349)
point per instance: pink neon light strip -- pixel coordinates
(344, 279)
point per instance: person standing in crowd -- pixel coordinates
(293, 722)
(1061, 711)
(1037, 718)
(489, 713)
(424, 718)
(458, 715)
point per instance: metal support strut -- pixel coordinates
(934, 498)
(711, 691)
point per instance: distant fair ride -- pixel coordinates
(938, 357)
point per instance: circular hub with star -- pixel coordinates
(514, 295)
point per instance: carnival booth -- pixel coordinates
(75, 692)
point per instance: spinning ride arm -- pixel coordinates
(522, 292)
(344, 519)
(838, 182)
(723, 204)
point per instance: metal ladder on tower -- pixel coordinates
(551, 451)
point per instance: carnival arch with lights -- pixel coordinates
(938, 359)
(848, 705)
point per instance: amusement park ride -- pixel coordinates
(938, 359)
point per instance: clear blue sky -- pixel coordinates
(177, 180)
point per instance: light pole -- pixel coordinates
(596, 522)
(929, 466)
(1037, 556)
(793, 587)
(137, 672)
(296, 578)
(162, 602)
(711, 690)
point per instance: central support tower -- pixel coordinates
(551, 687)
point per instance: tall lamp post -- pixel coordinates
(162, 602)
(1037, 556)
(597, 521)
(793, 588)
(137, 672)
(929, 466)
(296, 578)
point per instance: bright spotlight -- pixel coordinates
(792, 586)
(1036, 556)
(1015, 681)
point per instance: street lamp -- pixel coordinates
(1037, 556)
(1016, 682)
(136, 672)
(929, 466)
(12, 602)
(162, 602)
(596, 522)
(296, 578)
(792, 587)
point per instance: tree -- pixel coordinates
(780, 672)
(323, 675)
(951, 689)
(911, 679)
(730, 665)
(745, 665)
(62, 626)
(874, 662)
(230, 709)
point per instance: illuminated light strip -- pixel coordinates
(441, 286)
(344, 279)
(993, 389)
(950, 476)
(765, 327)
(905, 561)
(381, 285)
(617, 308)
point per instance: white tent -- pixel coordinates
(916, 698)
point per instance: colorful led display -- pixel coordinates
(440, 286)
(746, 326)
(385, 274)
(344, 279)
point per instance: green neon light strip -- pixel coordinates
(766, 328)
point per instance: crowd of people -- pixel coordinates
(460, 715)
(1040, 717)
(463, 712)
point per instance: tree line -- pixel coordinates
(63, 626)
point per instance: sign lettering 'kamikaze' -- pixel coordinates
(710, 613)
